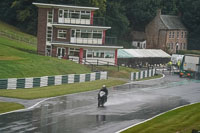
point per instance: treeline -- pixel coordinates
(123, 16)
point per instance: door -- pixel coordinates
(61, 52)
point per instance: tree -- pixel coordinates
(116, 18)
(140, 12)
(191, 18)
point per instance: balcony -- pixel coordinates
(109, 41)
(96, 21)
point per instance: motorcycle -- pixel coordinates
(102, 98)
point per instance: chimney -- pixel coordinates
(158, 12)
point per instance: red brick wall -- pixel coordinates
(180, 40)
(55, 35)
(41, 32)
(55, 17)
(152, 33)
(54, 51)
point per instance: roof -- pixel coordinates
(142, 53)
(172, 22)
(81, 26)
(86, 45)
(44, 5)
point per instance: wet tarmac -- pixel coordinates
(127, 105)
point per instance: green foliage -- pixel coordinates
(122, 15)
(115, 17)
(140, 12)
(191, 18)
(18, 59)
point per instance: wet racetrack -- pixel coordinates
(127, 105)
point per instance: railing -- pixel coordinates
(95, 62)
(109, 41)
(18, 37)
(97, 21)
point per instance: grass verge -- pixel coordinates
(124, 72)
(9, 106)
(52, 91)
(154, 77)
(181, 120)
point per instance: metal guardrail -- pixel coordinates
(18, 37)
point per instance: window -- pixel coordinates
(89, 33)
(177, 34)
(49, 34)
(50, 17)
(172, 45)
(109, 55)
(48, 50)
(74, 14)
(74, 52)
(96, 54)
(181, 34)
(89, 53)
(100, 54)
(185, 34)
(61, 13)
(66, 14)
(62, 34)
(60, 52)
(170, 34)
(85, 15)
(97, 34)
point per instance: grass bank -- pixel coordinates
(154, 77)
(18, 60)
(52, 91)
(181, 120)
(9, 106)
(124, 72)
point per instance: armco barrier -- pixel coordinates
(142, 74)
(14, 83)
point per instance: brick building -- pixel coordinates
(138, 39)
(70, 32)
(166, 32)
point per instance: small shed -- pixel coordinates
(142, 57)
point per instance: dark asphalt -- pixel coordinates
(127, 105)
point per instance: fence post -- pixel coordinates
(92, 67)
(118, 67)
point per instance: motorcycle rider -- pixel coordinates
(104, 89)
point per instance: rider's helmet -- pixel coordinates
(104, 86)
